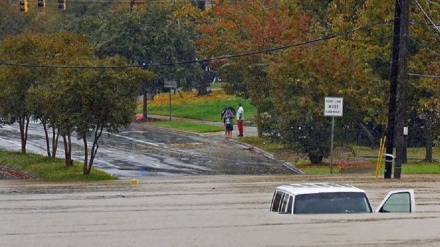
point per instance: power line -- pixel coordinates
(433, 3)
(427, 16)
(202, 60)
(431, 22)
(424, 46)
(421, 75)
(67, 66)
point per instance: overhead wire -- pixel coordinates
(424, 46)
(431, 23)
(433, 3)
(422, 75)
(436, 27)
(328, 37)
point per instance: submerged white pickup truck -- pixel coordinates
(333, 198)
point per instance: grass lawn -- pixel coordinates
(188, 126)
(44, 168)
(189, 105)
(421, 168)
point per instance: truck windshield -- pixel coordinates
(332, 203)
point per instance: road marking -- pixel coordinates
(13, 142)
(133, 139)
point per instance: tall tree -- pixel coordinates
(107, 101)
(425, 101)
(289, 85)
(302, 80)
(16, 81)
(248, 27)
(44, 96)
(424, 88)
(157, 34)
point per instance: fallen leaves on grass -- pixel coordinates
(355, 166)
(187, 97)
(8, 173)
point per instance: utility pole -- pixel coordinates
(401, 121)
(397, 72)
(393, 92)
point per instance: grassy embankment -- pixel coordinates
(188, 105)
(47, 169)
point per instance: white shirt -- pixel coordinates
(240, 111)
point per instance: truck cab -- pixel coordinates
(333, 198)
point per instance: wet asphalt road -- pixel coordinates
(144, 150)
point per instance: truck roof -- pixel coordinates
(322, 187)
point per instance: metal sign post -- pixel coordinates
(170, 84)
(170, 103)
(333, 107)
(331, 145)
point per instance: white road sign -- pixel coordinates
(170, 84)
(334, 107)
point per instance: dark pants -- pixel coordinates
(240, 127)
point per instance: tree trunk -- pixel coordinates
(202, 88)
(51, 153)
(23, 123)
(67, 150)
(55, 138)
(259, 124)
(315, 158)
(428, 137)
(86, 171)
(144, 104)
(368, 134)
(46, 135)
(93, 151)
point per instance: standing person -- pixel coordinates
(222, 116)
(228, 118)
(240, 119)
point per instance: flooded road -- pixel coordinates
(144, 150)
(190, 193)
(219, 210)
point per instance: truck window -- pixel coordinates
(285, 201)
(276, 201)
(289, 206)
(332, 203)
(397, 203)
